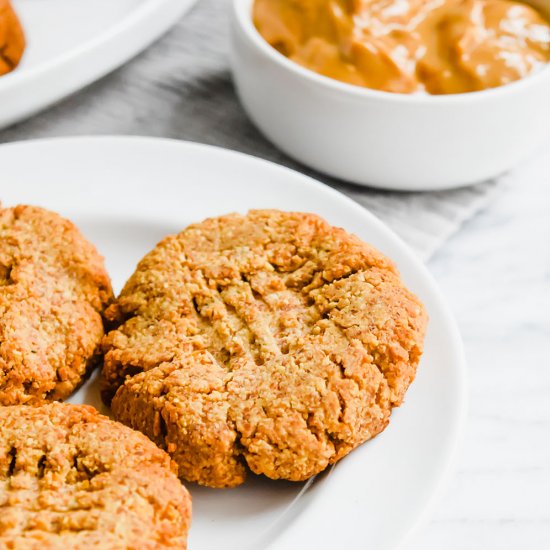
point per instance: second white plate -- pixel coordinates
(126, 194)
(71, 43)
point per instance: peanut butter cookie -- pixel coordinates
(53, 289)
(272, 341)
(71, 478)
(12, 38)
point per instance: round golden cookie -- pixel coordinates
(12, 38)
(53, 289)
(72, 478)
(272, 341)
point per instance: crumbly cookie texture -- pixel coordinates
(12, 38)
(53, 290)
(71, 478)
(270, 340)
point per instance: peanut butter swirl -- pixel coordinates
(407, 46)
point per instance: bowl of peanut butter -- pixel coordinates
(399, 94)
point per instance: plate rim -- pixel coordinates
(457, 427)
(115, 38)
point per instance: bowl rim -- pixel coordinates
(243, 17)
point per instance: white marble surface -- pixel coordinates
(496, 275)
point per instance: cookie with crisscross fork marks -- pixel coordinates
(71, 478)
(12, 38)
(271, 340)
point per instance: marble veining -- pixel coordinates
(496, 274)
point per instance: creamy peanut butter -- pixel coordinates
(406, 46)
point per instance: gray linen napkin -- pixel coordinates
(181, 88)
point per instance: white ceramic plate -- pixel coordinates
(71, 43)
(127, 193)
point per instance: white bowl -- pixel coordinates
(392, 141)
